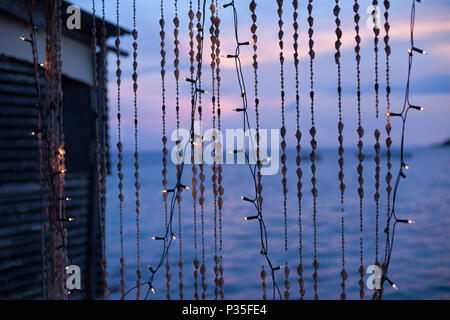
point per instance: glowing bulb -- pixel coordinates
(250, 218)
(405, 166)
(246, 199)
(153, 290)
(173, 237)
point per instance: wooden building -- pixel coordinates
(20, 256)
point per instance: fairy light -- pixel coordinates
(167, 238)
(253, 168)
(246, 199)
(251, 218)
(390, 232)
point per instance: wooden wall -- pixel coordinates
(20, 255)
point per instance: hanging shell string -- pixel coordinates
(407, 106)
(202, 176)
(194, 168)
(214, 166)
(96, 129)
(376, 31)
(312, 155)
(168, 235)
(219, 168)
(119, 155)
(264, 285)
(176, 63)
(164, 137)
(387, 50)
(283, 144)
(253, 29)
(298, 160)
(104, 159)
(337, 58)
(360, 147)
(136, 154)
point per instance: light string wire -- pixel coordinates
(401, 175)
(283, 143)
(136, 154)
(164, 139)
(337, 58)
(376, 31)
(54, 136)
(246, 123)
(298, 135)
(46, 175)
(312, 155)
(120, 154)
(253, 29)
(194, 168)
(169, 236)
(360, 131)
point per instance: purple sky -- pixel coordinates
(430, 75)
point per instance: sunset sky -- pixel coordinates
(430, 75)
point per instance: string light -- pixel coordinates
(158, 238)
(251, 218)
(176, 190)
(405, 221)
(25, 39)
(416, 50)
(390, 233)
(417, 108)
(258, 199)
(338, 44)
(35, 132)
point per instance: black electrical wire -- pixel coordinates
(246, 123)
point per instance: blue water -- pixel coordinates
(420, 263)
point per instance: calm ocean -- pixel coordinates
(420, 263)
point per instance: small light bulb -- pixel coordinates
(153, 290)
(173, 237)
(405, 166)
